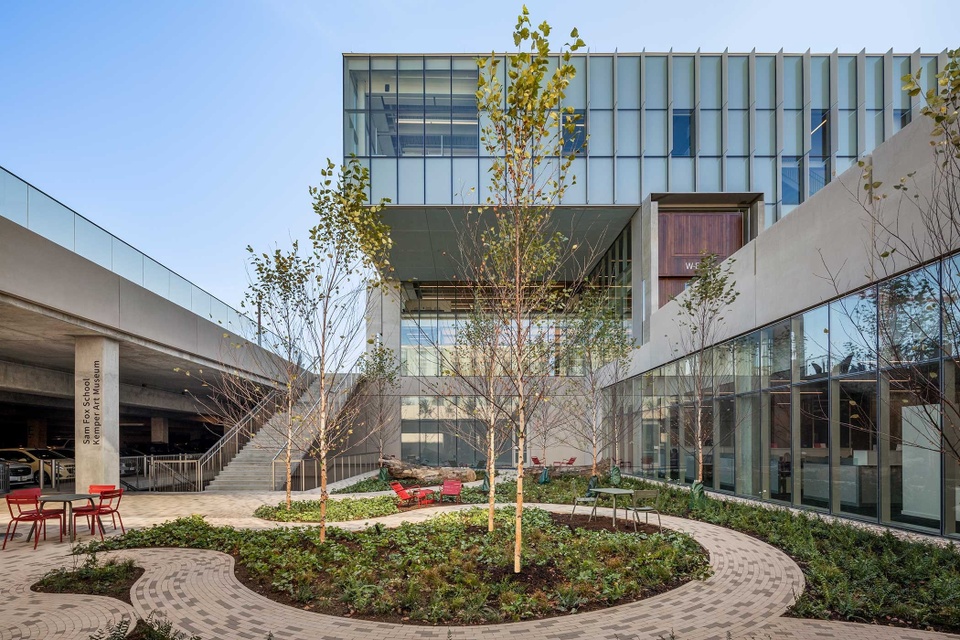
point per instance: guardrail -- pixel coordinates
(4, 478)
(181, 475)
(226, 448)
(306, 475)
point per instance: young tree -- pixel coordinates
(379, 381)
(523, 255)
(600, 347)
(350, 244)
(700, 317)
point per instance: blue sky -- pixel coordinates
(193, 128)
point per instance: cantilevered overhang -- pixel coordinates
(428, 241)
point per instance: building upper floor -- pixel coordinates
(781, 124)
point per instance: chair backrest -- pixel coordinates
(451, 487)
(100, 488)
(571, 461)
(594, 482)
(22, 503)
(536, 460)
(110, 498)
(20, 493)
(400, 491)
(645, 495)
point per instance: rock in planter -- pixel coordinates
(399, 470)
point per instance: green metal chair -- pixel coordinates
(640, 497)
(590, 497)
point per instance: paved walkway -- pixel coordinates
(752, 585)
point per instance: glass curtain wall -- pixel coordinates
(849, 408)
(783, 124)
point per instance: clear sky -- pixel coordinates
(193, 128)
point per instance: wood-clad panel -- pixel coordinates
(685, 236)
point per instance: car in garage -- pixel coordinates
(19, 473)
(51, 461)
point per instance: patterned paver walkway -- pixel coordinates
(752, 586)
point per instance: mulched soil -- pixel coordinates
(535, 577)
(119, 590)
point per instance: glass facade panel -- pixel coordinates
(766, 90)
(847, 82)
(410, 180)
(853, 333)
(601, 180)
(820, 132)
(628, 82)
(683, 133)
(811, 343)
(812, 407)
(628, 133)
(710, 82)
(746, 351)
(847, 134)
(655, 133)
(655, 82)
(819, 82)
(383, 179)
(775, 361)
(710, 140)
(791, 175)
(792, 82)
(748, 446)
(576, 93)
(765, 178)
(738, 89)
(601, 134)
(951, 306)
(855, 480)
(465, 181)
(738, 133)
(628, 181)
(793, 132)
(654, 175)
(910, 317)
(709, 177)
(682, 78)
(437, 183)
(681, 175)
(819, 173)
(874, 82)
(776, 416)
(766, 131)
(738, 174)
(910, 452)
(873, 134)
(901, 67)
(601, 82)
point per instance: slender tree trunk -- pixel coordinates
(289, 470)
(491, 473)
(323, 467)
(698, 417)
(518, 544)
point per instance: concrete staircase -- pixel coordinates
(252, 468)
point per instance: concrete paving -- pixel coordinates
(752, 586)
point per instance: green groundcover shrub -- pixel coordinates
(448, 569)
(337, 510)
(852, 573)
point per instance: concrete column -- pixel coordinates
(159, 430)
(97, 411)
(37, 433)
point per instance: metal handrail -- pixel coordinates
(351, 384)
(228, 446)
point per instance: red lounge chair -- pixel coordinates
(108, 506)
(415, 495)
(28, 509)
(536, 461)
(451, 489)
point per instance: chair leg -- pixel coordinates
(7, 535)
(574, 507)
(120, 518)
(593, 512)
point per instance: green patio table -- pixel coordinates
(613, 491)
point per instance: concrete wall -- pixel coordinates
(41, 272)
(824, 248)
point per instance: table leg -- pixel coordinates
(614, 511)
(71, 533)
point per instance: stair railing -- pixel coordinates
(226, 448)
(350, 381)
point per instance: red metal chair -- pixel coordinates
(36, 494)
(451, 489)
(97, 489)
(411, 496)
(536, 461)
(28, 510)
(108, 506)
